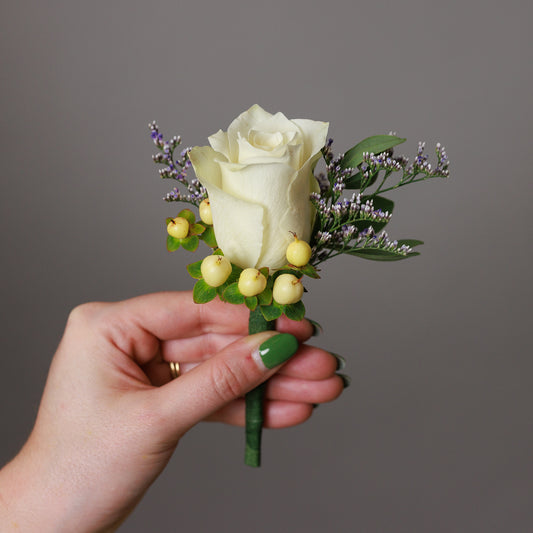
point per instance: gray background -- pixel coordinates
(435, 433)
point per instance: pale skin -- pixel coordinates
(111, 416)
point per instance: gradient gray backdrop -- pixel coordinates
(435, 434)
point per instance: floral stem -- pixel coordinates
(254, 399)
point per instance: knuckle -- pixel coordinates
(85, 312)
(228, 381)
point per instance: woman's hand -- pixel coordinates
(111, 415)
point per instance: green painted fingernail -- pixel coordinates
(278, 349)
(317, 328)
(341, 362)
(346, 380)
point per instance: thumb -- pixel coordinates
(230, 374)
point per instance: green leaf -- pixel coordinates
(168, 220)
(271, 312)
(355, 181)
(251, 302)
(376, 144)
(265, 298)
(172, 243)
(410, 242)
(264, 271)
(375, 254)
(310, 270)
(380, 202)
(218, 252)
(190, 243)
(196, 229)
(194, 269)
(203, 293)
(295, 311)
(208, 236)
(232, 294)
(188, 215)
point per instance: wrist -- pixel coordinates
(35, 496)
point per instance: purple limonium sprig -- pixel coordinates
(348, 225)
(189, 191)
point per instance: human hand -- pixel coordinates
(111, 417)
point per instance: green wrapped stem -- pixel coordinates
(254, 399)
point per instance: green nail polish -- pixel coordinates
(278, 349)
(345, 379)
(341, 362)
(317, 328)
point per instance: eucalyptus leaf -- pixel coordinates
(190, 243)
(295, 311)
(375, 145)
(172, 243)
(203, 293)
(375, 254)
(194, 270)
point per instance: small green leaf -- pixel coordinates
(375, 254)
(232, 294)
(235, 273)
(172, 243)
(410, 242)
(196, 229)
(168, 220)
(203, 293)
(271, 312)
(264, 271)
(295, 311)
(208, 236)
(375, 145)
(194, 270)
(265, 298)
(310, 270)
(218, 251)
(190, 243)
(251, 302)
(355, 181)
(188, 215)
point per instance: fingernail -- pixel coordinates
(277, 349)
(341, 362)
(317, 328)
(346, 380)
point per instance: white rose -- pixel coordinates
(259, 175)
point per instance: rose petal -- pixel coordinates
(238, 224)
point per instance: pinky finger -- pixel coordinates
(278, 414)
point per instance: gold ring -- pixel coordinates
(174, 369)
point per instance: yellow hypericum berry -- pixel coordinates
(288, 289)
(251, 282)
(298, 252)
(215, 270)
(178, 227)
(205, 212)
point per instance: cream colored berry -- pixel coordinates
(215, 270)
(178, 227)
(288, 289)
(298, 252)
(251, 282)
(205, 212)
